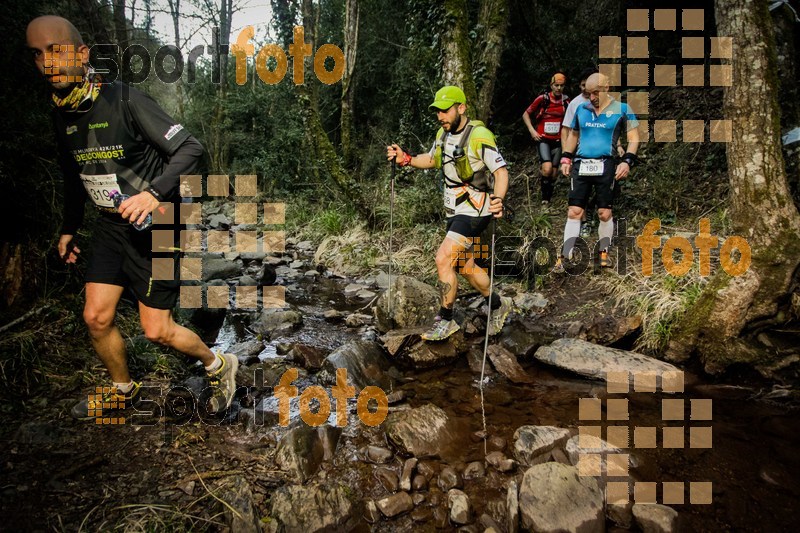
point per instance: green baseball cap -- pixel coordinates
(446, 97)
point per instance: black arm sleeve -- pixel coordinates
(74, 195)
(183, 161)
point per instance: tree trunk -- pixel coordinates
(733, 309)
(493, 19)
(175, 13)
(218, 149)
(456, 63)
(350, 54)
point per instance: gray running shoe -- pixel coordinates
(106, 402)
(223, 383)
(499, 315)
(441, 330)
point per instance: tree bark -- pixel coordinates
(175, 13)
(456, 62)
(732, 309)
(350, 55)
(493, 19)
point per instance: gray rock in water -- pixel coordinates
(655, 518)
(309, 357)
(500, 462)
(356, 320)
(371, 512)
(304, 448)
(512, 507)
(315, 508)
(377, 455)
(246, 352)
(219, 222)
(408, 472)
(365, 294)
(589, 444)
(595, 362)
(396, 504)
(532, 444)
(352, 289)
(506, 363)
(414, 304)
(449, 479)
(408, 348)
(273, 319)
(474, 470)
(365, 363)
(420, 432)
(220, 268)
(554, 497)
(460, 507)
(241, 515)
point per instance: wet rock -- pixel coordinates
(589, 444)
(512, 507)
(310, 274)
(418, 499)
(332, 315)
(530, 301)
(474, 470)
(427, 469)
(352, 289)
(422, 515)
(489, 523)
(296, 265)
(219, 221)
(594, 361)
(286, 272)
(365, 363)
(272, 319)
(241, 515)
(414, 304)
(365, 294)
(356, 320)
(550, 488)
(371, 512)
(377, 455)
(449, 479)
(395, 505)
(407, 347)
(620, 513)
(220, 268)
(308, 356)
(303, 449)
(506, 363)
(305, 246)
(460, 507)
(606, 329)
(396, 396)
(500, 462)
(314, 508)
(520, 341)
(420, 432)
(408, 472)
(388, 479)
(532, 444)
(559, 456)
(655, 518)
(247, 351)
(496, 443)
(419, 482)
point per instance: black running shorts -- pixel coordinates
(550, 151)
(464, 229)
(122, 256)
(580, 188)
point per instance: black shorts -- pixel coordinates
(122, 255)
(580, 188)
(464, 229)
(550, 151)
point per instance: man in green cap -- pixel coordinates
(475, 183)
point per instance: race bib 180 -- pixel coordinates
(591, 167)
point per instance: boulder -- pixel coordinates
(554, 497)
(309, 357)
(414, 304)
(595, 361)
(365, 363)
(272, 319)
(407, 347)
(420, 432)
(655, 518)
(460, 507)
(606, 329)
(506, 363)
(315, 508)
(304, 448)
(220, 268)
(241, 515)
(533, 444)
(396, 504)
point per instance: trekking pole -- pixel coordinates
(488, 326)
(391, 233)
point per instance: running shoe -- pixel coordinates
(441, 330)
(223, 383)
(106, 402)
(499, 315)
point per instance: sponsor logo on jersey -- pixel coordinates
(97, 125)
(172, 131)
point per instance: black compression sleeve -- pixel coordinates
(183, 161)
